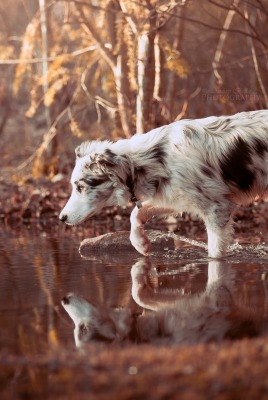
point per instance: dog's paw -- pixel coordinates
(140, 270)
(140, 242)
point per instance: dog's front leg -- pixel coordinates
(138, 218)
(219, 229)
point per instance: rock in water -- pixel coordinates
(119, 242)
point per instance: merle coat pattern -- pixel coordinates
(206, 166)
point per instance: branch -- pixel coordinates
(48, 136)
(43, 25)
(216, 28)
(167, 12)
(183, 111)
(89, 96)
(99, 101)
(130, 21)
(222, 38)
(246, 18)
(50, 59)
(224, 7)
(262, 7)
(231, 63)
(256, 66)
(243, 16)
(93, 7)
(90, 29)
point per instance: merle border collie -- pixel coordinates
(207, 167)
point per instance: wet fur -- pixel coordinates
(206, 167)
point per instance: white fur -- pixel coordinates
(206, 166)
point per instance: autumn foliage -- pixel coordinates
(74, 70)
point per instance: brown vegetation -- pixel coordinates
(81, 69)
(200, 372)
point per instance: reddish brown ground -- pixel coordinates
(236, 370)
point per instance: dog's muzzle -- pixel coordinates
(63, 217)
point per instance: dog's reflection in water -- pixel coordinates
(212, 315)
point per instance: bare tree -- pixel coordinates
(117, 62)
(44, 52)
(114, 67)
(252, 20)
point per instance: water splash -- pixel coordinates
(192, 250)
(249, 252)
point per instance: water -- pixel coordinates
(38, 270)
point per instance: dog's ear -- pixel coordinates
(77, 152)
(103, 162)
(108, 163)
(91, 147)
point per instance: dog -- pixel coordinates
(207, 167)
(168, 318)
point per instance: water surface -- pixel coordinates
(39, 269)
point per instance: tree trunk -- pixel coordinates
(146, 77)
(253, 18)
(122, 91)
(179, 28)
(215, 76)
(43, 24)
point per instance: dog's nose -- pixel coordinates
(65, 300)
(63, 217)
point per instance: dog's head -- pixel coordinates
(90, 322)
(97, 181)
(96, 321)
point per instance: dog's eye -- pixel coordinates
(80, 188)
(96, 182)
(83, 332)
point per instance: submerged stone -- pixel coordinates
(119, 241)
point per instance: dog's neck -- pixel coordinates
(141, 180)
(139, 165)
(135, 201)
(130, 184)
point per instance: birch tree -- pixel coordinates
(110, 68)
(44, 52)
(130, 55)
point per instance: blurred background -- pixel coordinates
(84, 69)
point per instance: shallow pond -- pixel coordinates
(187, 298)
